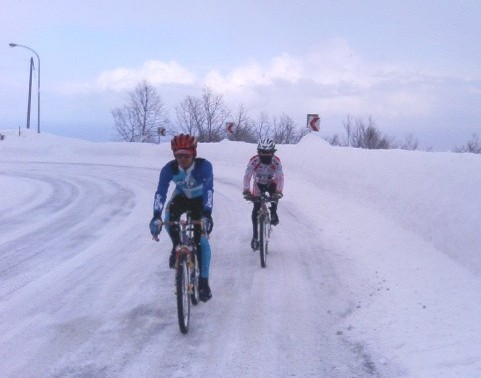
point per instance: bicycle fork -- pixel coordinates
(184, 255)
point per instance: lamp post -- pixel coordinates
(38, 86)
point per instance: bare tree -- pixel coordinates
(282, 131)
(203, 117)
(263, 126)
(348, 128)
(216, 114)
(366, 135)
(190, 115)
(140, 119)
(285, 131)
(410, 143)
(244, 127)
(356, 134)
(334, 140)
(472, 146)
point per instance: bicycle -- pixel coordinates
(187, 270)
(263, 224)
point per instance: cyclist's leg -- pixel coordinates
(176, 207)
(273, 208)
(206, 255)
(203, 250)
(255, 210)
(255, 233)
(205, 292)
(195, 207)
(256, 191)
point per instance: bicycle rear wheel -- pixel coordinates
(182, 282)
(263, 239)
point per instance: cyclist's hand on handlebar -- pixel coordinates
(277, 195)
(155, 227)
(247, 195)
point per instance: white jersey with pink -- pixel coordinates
(264, 174)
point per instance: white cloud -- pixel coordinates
(330, 78)
(120, 79)
(282, 68)
(287, 68)
(250, 75)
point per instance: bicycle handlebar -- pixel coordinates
(181, 222)
(257, 199)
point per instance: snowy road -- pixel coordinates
(370, 249)
(85, 292)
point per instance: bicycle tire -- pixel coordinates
(263, 239)
(194, 280)
(182, 282)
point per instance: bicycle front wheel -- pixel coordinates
(194, 279)
(263, 239)
(182, 281)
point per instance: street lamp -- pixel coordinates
(38, 87)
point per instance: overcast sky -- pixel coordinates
(411, 65)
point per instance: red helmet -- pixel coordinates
(184, 144)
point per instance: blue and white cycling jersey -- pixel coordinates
(194, 182)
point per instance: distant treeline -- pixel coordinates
(143, 118)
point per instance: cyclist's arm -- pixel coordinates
(251, 166)
(160, 195)
(279, 174)
(208, 198)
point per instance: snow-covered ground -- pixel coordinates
(374, 270)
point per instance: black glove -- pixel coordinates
(277, 195)
(247, 195)
(208, 222)
(155, 226)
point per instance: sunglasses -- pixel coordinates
(265, 153)
(183, 156)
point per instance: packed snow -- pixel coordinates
(373, 271)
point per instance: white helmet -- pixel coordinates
(266, 144)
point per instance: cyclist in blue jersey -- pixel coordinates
(194, 189)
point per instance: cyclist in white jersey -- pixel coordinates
(266, 170)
